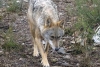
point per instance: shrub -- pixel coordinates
(88, 12)
(9, 41)
(14, 6)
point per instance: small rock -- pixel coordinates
(61, 50)
(6, 53)
(1, 52)
(22, 59)
(66, 64)
(98, 64)
(23, 43)
(94, 48)
(78, 64)
(70, 50)
(14, 30)
(67, 57)
(54, 60)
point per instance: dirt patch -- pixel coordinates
(23, 56)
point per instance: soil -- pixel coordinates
(22, 57)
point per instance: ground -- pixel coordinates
(23, 56)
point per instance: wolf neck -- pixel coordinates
(49, 9)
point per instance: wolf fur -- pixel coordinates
(45, 27)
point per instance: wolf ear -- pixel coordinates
(61, 24)
(48, 22)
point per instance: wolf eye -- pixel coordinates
(52, 37)
(58, 37)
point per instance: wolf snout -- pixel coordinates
(93, 40)
(56, 49)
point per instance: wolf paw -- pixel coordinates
(45, 63)
(36, 54)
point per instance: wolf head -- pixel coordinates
(52, 33)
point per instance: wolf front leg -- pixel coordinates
(41, 49)
(32, 30)
(35, 52)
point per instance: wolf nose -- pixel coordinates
(92, 40)
(56, 49)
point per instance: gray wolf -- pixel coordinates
(45, 27)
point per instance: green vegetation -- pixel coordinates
(14, 6)
(0, 3)
(88, 18)
(7, 13)
(10, 42)
(88, 12)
